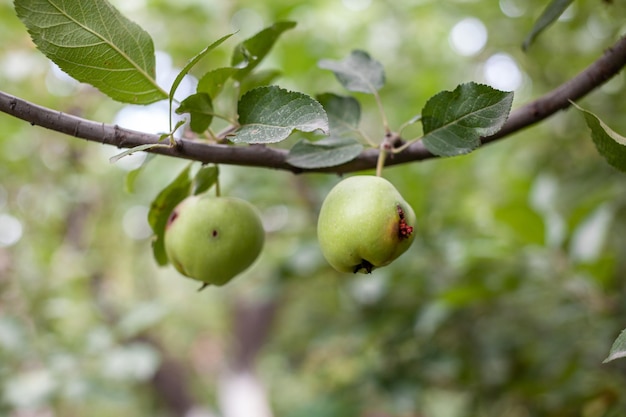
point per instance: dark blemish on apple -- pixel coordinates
(365, 264)
(214, 233)
(404, 230)
(172, 217)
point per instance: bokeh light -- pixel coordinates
(10, 230)
(468, 37)
(502, 72)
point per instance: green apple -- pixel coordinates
(213, 239)
(364, 223)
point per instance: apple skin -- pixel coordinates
(364, 223)
(213, 239)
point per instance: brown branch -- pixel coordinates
(609, 64)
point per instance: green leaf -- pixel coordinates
(192, 62)
(357, 72)
(161, 208)
(213, 81)
(344, 113)
(454, 121)
(248, 54)
(618, 350)
(200, 107)
(611, 145)
(95, 44)
(327, 152)
(271, 114)
(551, 13)
(205, 178)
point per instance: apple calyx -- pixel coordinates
(366, 265)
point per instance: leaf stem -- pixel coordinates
(405, 145)
(366, 138)
(381, 110)
(406, 124)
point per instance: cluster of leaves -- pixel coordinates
(115, 55)
(121, 64)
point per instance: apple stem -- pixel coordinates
(385, 147)
(217, 187)
(380, 163)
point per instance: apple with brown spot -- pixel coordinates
(364, 224)
(213, 239)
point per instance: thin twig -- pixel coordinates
(609, 64)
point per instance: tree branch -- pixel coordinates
(609, 64)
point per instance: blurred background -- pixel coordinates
(506, 304)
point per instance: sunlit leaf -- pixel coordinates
(551, 13)
(192, 62)
(454, 121)
(200, 108)
(271, 114)
(618, 350)
(213, 81)
(327, 152)
(611, 145)
(160, 210)
(357, 72)
(95, 44)
(248, 54)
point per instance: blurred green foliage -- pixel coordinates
(506, 305)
